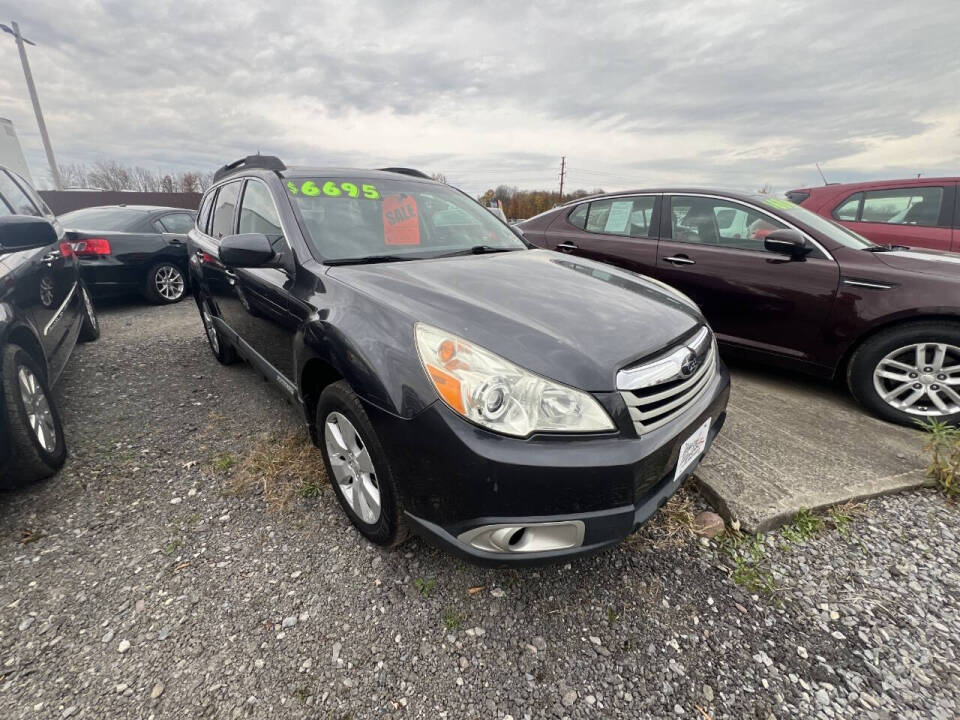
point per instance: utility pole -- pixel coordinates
(48, 148)
(563, 171)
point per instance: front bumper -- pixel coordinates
(455, 477)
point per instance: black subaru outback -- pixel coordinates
(509, 403)
(44, 310)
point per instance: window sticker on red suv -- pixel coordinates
(331, 188)
(401, 223)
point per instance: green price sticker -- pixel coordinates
(310, 188)
(779, 203)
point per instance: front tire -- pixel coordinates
(909, 374)
(166, 284)
(358, 467)
(90, 327)
(33, 426)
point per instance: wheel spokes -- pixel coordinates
(921, 379)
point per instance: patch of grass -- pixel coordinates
(171, 547)
(841, 519)
(425, 586)
(282, 467)
(943, 444)
(747, 554)
(224, 462)
(302, 693)
(453, 620)
(805, 525)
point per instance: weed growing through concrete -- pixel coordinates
(453, 620)
(943, 444)
(224, 462)
(805, 525)
(748, 555)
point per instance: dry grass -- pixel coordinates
(282, 467)
(671, 526)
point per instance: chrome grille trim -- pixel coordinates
(651, 407)
(664, 369)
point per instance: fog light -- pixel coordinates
(526, 537)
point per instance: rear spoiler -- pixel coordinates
(266, 162)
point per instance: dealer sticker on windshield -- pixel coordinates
(691, 450)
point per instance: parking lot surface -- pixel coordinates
(138, 584)
(793, 442)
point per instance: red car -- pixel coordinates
(922, 213)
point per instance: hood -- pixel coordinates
(932, 262)
(571, 320)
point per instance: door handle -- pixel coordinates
(566, 246)
(231, 276)
(680, 260)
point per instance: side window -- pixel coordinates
(204, 215)
(18, 199)
(578, 218)
(849, 209)
(223, 210)
(903, 206)
(257, 211)
(179, 223)
(621, 216)
(709, 221)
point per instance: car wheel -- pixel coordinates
(90, 327)
(222, 350)
(165, 284)
(909, 374)
(33, 427)
(358, 467)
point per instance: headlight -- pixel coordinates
(495, 393)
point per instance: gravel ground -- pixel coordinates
(135, 585)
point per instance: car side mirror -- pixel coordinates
(246, 250)
(25, 232)
(787, 242)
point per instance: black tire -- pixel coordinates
(866, 358)
(90, 328)
(29, 460)
(389, 529)
(221, 348)
(157, 288)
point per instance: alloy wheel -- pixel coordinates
(210, 327)
(921, 379)
(352, 467)
(169, 282)
(88, 304)
(37, 407)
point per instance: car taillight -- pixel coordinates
(91, 247)
(66, 249)
(208, 258)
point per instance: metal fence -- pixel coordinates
(61, 201)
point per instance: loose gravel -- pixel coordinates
(136, 584)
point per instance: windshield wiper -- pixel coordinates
(368, 260)
(480, 250)
(885, 248)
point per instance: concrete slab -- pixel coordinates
(792, 442)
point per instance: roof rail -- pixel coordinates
(408, 171)
(267, 162)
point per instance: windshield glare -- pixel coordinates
(357, 218)
(832, 230)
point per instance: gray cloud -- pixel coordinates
(738, 93)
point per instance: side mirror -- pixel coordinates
(25, 232)
(246, 250)
(787, 242)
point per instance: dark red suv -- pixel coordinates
(922, 213)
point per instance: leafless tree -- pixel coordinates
(74, 175)
(439, 177)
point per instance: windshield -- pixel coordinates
(351, 219)
(837, 233)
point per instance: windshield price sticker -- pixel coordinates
(779, 203)
(312, 188)
(401, 223)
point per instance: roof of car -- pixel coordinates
(725, 192)
(137, 208)
(831, 187)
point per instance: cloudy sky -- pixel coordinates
(644, 93)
